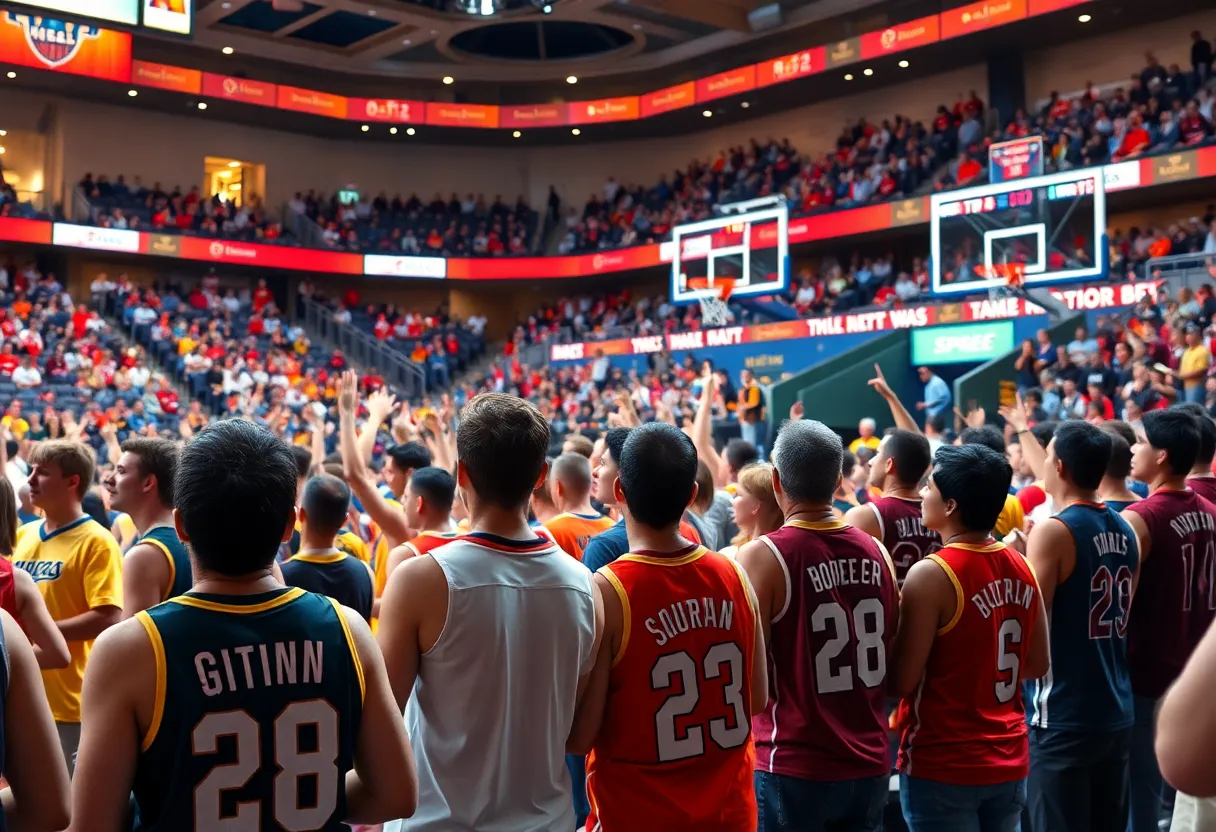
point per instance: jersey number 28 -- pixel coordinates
(291, 762)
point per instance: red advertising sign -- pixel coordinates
(392, 110)
(271, 257)
(979, 16)
(165, 77)
(63, 46)
(461, 115)
(25, 231)
(604, 110)
(899, 37)
(787, 68)
(533, 115)
(239, 89)
(666, 100)
(1038, 7)
(726, 83)
(311, 101)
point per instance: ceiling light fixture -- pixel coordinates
(12, 75)
(227, 50)
(571, 79)
(903, 64)
(848, 76)
(517, 134)
(745, 104)
(365, 128)
(867, 71)
(409, 131)
(392, 131)
(1084, 18)
(448, 79)
(225, 5)
(132, 93)
(1, 150)
(202, 105)
(546, 9)
(3, 132)
(234, 164)
(707, 113)
(576, 132)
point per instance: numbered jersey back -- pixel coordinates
(826, 718)
(1176, 595)
(966, 723)
(677, 726)
(902, 533)
(258, 705)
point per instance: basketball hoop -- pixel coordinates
(714, 308)
(1011, 275)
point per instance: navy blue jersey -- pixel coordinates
(1119, 505)
(181, 575)
(345, 579)
(258, 702)
(1089, 686)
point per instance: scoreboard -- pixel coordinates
(173, 16)
(1051, 226)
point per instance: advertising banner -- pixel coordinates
(390, 110)
(240, 89)
(726, 83)
(63, 46)
(461, 115)
(666, 100)
(312, 102)
(165, 77)
(1015, 159)
(968, 343)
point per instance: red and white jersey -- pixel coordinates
(901, 532)
(676, 726)
(826, 718)
(966, 724)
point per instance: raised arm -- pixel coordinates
(379, 405)
(391, 521)
(1032, 451)
(702, 428)
(903, 419)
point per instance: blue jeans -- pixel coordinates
(930, 806)
(756, 433)
(1151, 797)
(790, 804)
(1079, 780)
(1195, 394)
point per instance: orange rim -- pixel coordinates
(724, 285)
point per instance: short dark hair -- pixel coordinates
(235, 475)
(326, 503)
(435, 485)
(1117, 427)
(1085, 450)
(848, 461)
(1120, 465)
(987, 436)
(409, 455)
(1175, 432)
(740, 452)
(502, 442)
(910, 451)
(614, 442)
(1043, 431)
(157, 458)
(658, 473)
(303, 458)
(937, 421)
(1207, 431)
(977, 479)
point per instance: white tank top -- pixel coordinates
(494, 701)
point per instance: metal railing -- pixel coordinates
(1182, 270)
(82, 209)
(303, 228)
(406, 377)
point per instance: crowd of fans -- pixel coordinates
(134, 206)
(469, 227)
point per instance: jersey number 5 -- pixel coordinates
(692, 744)
(292, 764)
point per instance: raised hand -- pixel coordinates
(1015, 416)
(879, 383)
(348, 393)
(380, 404)
(797, 411)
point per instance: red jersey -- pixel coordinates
(826, 718)
(8, 590)
(901, 532)
(676, 725)
(1175, 598)
(967, 724)
(1204, 486)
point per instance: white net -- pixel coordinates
(714, 310)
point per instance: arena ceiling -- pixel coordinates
(520, 41)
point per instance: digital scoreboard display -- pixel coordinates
(173, 16)
(1048, 228)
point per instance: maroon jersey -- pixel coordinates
(826, 718)
(1204, 486)
(1176, 597)
(901, 532)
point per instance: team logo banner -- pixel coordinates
(63, 46)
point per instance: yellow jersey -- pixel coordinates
(124, 531)
(1012, 517)
(380, 552)
(78, 568)
(349, 542)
